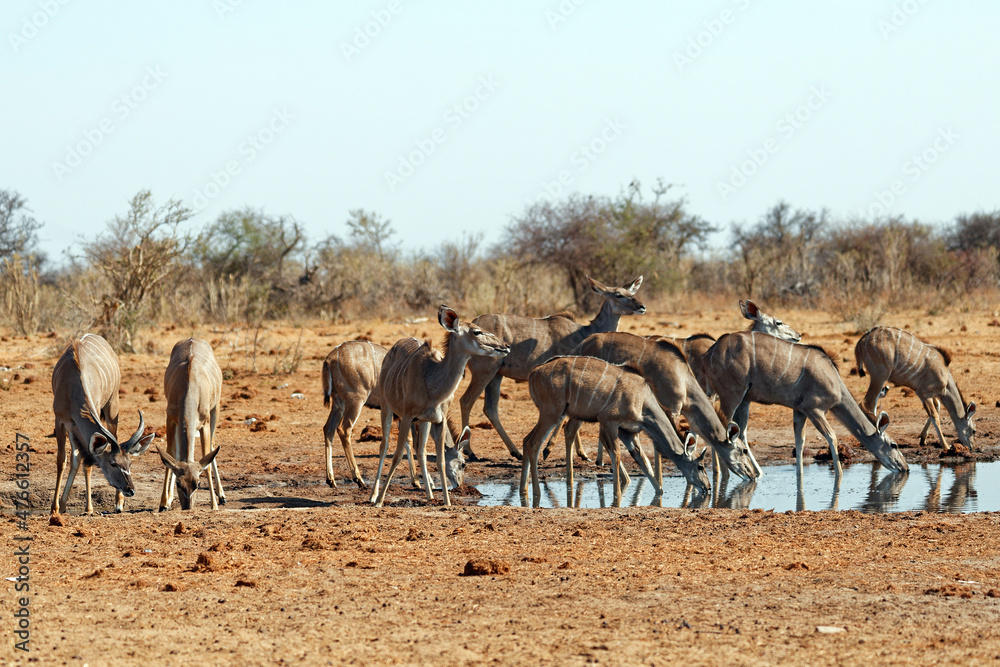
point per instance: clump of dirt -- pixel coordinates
(484, 567)
(371, 433)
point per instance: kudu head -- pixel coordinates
(884, 448)
(764, 323)
(469, 337)
(692, 466)
(966, 426)
(114, 458)
(738, 457)
(454, 460)
(622, 299)
(186, 474)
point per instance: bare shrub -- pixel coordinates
(136, 256)
(19, 294)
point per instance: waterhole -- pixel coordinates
(950, 488)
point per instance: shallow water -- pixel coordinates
(951, 488)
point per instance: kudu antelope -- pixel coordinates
(892, 355)
(534, 341)
(193, 387)
(85, 384)
(664, 367)
(620, 401)
(418, 384)
(749, 367)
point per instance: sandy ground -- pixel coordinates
(291, 570)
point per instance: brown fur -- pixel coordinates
(945, 354)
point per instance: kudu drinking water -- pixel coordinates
(418, 384)
(534, 341)
(85, 384)
(893, 355)
(748, 367)
(664, 367)
(193, 387)
(617, 398)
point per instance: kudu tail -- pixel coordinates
(327, 383)
(857, 357)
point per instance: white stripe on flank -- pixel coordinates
(579, 384)
(753, 342)
(805, 361)
(598, 385)
(611, 392)
(788, 363)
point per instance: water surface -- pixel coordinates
(951, 488)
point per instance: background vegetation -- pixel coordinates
(249, 266)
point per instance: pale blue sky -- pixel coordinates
(874, 85)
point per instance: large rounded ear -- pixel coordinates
(733, 432)
(598, 287)
(701, 457)
(633, 287)
(168, 460)
(465, 437)
(98, 444)
(971, 410)
(207, 459)
(749, 310)
(883, 421)
(448, 318)
(141, 445)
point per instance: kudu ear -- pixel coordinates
(690, 442)
(883, 422)
(971, 410)
(141, 445)
(464, 438)
(633, 286)
(98, 444)
(169, 461)
(599, 287)
(733, 432)
(448, 318)
(207, 459)
(749, 310)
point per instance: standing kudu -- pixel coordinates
(85, 385)
(893, 355)
(592, 390)
(664, 367)
(534, 341)
(193, 387)
(749, 367)
(418, 384)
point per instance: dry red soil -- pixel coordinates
(291, 570)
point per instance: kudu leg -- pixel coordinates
(823, 426)
(60, 465)
(346, 432)
(655, 478)
(441, 438)
(529, 463)
(931, 405)
(383, 450)
(491, 408)
(74, 465)
(404, 434)
(329, 429)
(419, 450)
(167, 495)
(571, 432)
(206, 449)
(610, 440)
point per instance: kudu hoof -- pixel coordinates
(332, 484)
(362, 484)
(222, 500)
(545, 454)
